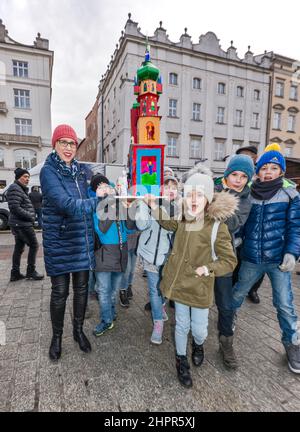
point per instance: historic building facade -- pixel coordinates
(284, 111)
(25, 99)
(87, 149)
(213, 101)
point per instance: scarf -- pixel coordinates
(71, 170)
(264, 191)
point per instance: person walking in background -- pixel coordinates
(21, 221)
(271, 245)
(37, 201)
(67, 235)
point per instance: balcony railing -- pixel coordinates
(20, 139)
(3, 108)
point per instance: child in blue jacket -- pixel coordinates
(271, 245)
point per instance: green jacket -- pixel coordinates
(192, 249)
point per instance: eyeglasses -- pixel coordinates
(65, 144)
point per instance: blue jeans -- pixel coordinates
(156, 298)
(189, 318)
(107, 287)
(223, 298)
(127, 277)
(283, 299)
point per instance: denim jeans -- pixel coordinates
(282, 295)
(188, 318)
(107, 287)
(127, 277)
(156, 298)
(223, 299)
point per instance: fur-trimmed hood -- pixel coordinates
(224, 206)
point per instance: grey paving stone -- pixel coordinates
(23, 398)
(28, 352)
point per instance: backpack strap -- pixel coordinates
(214, 233)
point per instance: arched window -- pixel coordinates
(173, 78)
(197, 83)
(25, 158)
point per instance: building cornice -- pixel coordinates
(177, 49)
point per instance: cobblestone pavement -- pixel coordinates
(125, 372)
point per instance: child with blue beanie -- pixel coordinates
(271, 245)
(237, 175)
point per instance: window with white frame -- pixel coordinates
(221, 88)
(196, 147)
(25, 159)
(255, 120)
(172, 145)
(20, 69)
(294, 92)
(221, 115)
(291, 123)
(277, 120)
(172, 107)
(197, 83)
(240, 91)
(196, 111)
(173, 78)
(219, 150)
(22, 98)
(279, 89)
(238, 118)
(236, 144)
(288, 151)
(256, 95)
(23, 126)
(1, 158)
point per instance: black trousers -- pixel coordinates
(59, 295)
(223, 298)
(24, 236)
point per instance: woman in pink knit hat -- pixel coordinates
(67, 234)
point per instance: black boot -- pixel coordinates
(124, 302)
(16, 275)
(33, 274)
(129, 292)
(80, 286)
(197, 354)
(183, 371)
(55, 347)
(253, 296)
(82, 340)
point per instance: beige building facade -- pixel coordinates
(284, 109)
(25, 102)
(213, 101)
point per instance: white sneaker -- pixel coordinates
(165, 315)
(158, 327)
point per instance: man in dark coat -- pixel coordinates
(21, 221)
(37, 200)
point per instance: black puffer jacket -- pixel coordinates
(21, 209)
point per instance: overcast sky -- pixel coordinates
(83, 35)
